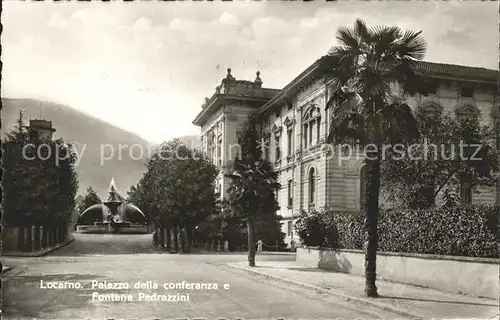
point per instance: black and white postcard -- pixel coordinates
(250, 160)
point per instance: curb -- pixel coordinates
(37, 254)
(382, 306)
(265, 253)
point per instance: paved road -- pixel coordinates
(128, 259)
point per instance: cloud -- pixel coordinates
(228, 19)
(57, 21)
(164, 58)
(31, 42)
(82, 16)
(143, 24)
(268, 27)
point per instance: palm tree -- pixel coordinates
(254, 182)
(371, 71)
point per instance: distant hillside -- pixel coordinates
(191, 141)
(88, 134)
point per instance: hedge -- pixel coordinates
(470, 230)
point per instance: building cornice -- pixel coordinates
(216, 101)
(424, 68)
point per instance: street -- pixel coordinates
(111, 261)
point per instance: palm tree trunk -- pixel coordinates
(371, 226)
(371, 211)
(251, 241)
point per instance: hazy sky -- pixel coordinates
(147, 66)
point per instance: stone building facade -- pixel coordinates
(294, 124)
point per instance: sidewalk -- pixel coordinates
(407, 300)
(275, 253)
(38, 253)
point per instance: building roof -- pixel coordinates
(42, 124)
(458, 71)
(425, 68)
(232, 89)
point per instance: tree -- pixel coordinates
(437, 164)
(254, 181)
(177, 190)
(362, 71)
(40, 179)
(90, 198)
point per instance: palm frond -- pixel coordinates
(348, 37)
(399, 123)
(345, 127)
(384, 39)
(339, 97)
(409, 81)
(362, 31)
(411, 44)
(342, 64)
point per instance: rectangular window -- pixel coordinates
(278, 112)
(289, 106)
(311, 132)
(219, 152)
(290, 193)
(290, 141)
(431, 87)
(278, 148)
(290, 228)
(214, 155)
(318, 129)
(266, 149)
(467, 92)
(305, 136)
(312, 188)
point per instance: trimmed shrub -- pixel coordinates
(311, 228)
(469, 230)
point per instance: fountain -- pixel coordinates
(114, 215)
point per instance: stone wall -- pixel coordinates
(31, 238)
(474, 276)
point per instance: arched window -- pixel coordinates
(212, 148)
(312, 186)
(311, 123)
(362, 187)
(467, 112)
(430, 108)
(219, 152)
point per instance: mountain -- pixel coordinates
(91, 138)
(191, 141)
